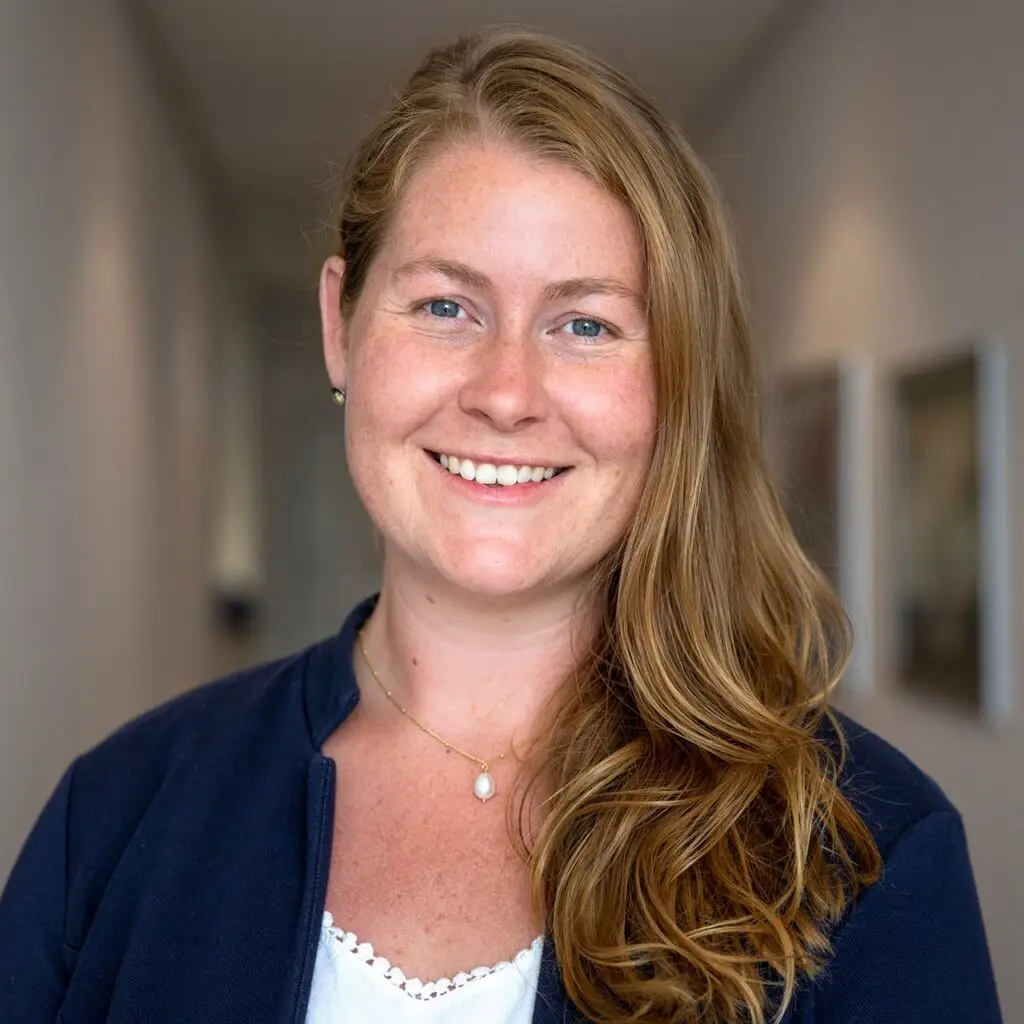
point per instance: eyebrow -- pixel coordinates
(572, 288)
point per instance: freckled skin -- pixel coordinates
(508, 376)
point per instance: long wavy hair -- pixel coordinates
(697, 848)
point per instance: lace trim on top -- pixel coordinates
(413, 987)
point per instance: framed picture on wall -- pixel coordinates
(808, 455)
(951, 531)
(821, 441)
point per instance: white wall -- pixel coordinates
(112, 301)
(875, 163)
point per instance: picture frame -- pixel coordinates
(951, 565)
(821, 443)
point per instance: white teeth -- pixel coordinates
(489, 474)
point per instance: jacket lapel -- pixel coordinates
(552, 1005)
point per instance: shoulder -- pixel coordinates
(212, 777)
(912, 945)
(215, 712)
(245, 743)
(199, 742)
(887, 789)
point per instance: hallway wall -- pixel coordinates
(321, 555)
(874, 163)
(113, 301)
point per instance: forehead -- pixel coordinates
(489, 202)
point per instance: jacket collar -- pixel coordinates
(330, 690)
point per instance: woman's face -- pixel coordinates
(501, 325)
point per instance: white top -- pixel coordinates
(352, 984)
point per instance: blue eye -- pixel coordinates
(584, 327)
(444, 308)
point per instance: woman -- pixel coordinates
(581, 734)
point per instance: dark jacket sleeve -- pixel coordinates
(913, 950)
(34, 963)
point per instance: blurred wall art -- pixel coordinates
(951, 530)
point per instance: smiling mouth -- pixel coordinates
(496, 475)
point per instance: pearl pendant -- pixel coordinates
(483, 787)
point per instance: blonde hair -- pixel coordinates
(697, 847)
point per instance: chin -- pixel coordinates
(492, 571)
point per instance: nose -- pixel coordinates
(505, 385)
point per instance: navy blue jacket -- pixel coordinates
(178, 873)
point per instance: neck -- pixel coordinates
(476, 672)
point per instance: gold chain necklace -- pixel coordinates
(483, 785)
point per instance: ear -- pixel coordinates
(332, 276)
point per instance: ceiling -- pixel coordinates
(275, 93)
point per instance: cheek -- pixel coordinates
(392, 383)
(616, 414)
(380, 378)
(376, 414)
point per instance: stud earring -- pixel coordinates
(338, 394)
